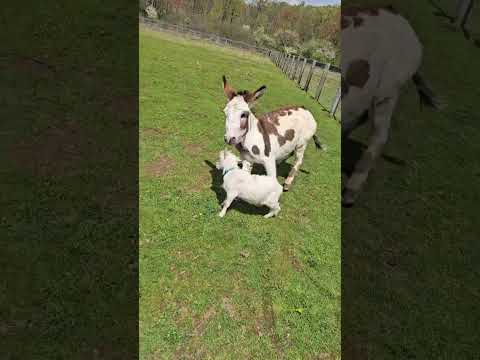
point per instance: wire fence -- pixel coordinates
(321, 81)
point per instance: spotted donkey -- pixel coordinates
(268, 139)
(380, 53)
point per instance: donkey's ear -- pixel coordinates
(259, 93)
(227, 89)
(251, 98)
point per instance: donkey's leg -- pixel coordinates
(271, 167)
(381, 117)
(299, 151)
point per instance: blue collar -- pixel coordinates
(226, 171)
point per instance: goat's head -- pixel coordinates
(226, 159)
(237, 111)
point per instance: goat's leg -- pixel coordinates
(226, 204)
(381, 117)
(299, 152)
(273, 204)
(273, 212)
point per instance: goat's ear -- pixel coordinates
(227, 89)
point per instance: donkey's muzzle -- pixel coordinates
(230, 141)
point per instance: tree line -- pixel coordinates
(310, 31)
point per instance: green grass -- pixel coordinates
(241, 287)
(68, 239)
(411, 243)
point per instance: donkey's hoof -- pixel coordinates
(348, 198)
(286, 187)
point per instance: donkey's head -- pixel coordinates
(237, 111)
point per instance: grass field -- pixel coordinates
(410, 251)
(240, 287)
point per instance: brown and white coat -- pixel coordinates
(380, 53)
(268, 139)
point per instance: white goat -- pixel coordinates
(259, 190)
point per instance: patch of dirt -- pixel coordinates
(202, 182)
(118, 197)
(124, 109)
(353, 348)
(290, 254)
(229, 308)
(57, 150)
(24, 64)
(160, 167)
(190, 348)
(325, 356)
(193, 149)
(244, 254)
(183, 313)
(297, 265)
(182, 275)
(269, 320)
(258, 328)
(151, 132)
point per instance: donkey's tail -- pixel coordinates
(318, 144)
(427, 96)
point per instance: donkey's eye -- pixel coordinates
(245, 115)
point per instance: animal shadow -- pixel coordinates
(352, 151)
(239, 205)
(283, 169)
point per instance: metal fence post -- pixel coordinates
(336, 101)
(310, 74)
(321, 83)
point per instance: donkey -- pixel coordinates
(380, 53)
(268, 139)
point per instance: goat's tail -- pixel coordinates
(427, 96)
(318, 144)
